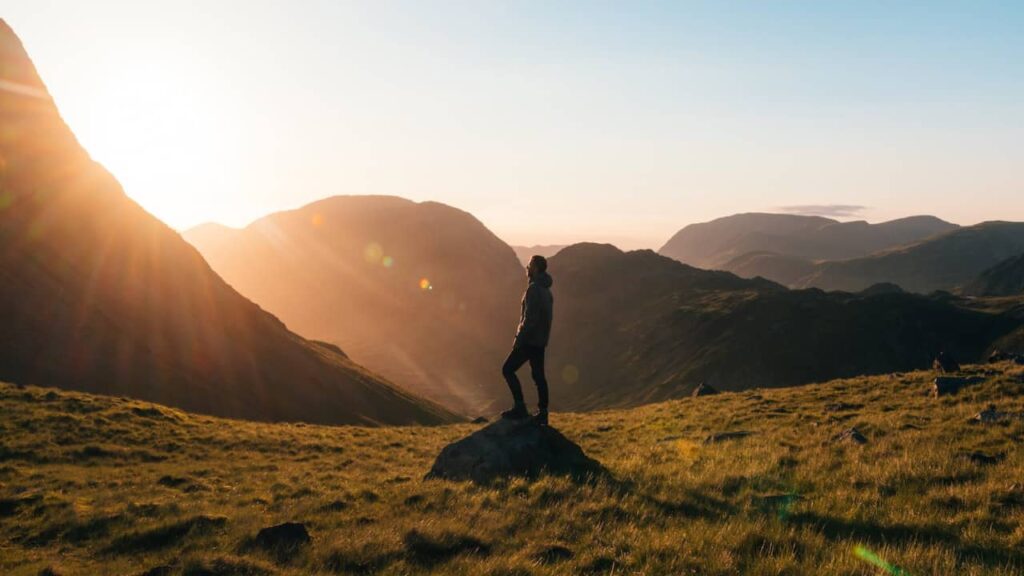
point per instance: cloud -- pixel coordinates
(828, 210)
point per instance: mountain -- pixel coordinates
(524, 253)
(422, 293)
(637, 327)
(1004, 279)
(98, 295)
(944, 262)
(712, 245)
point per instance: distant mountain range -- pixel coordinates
(422, 293)
(97, 295)
(712, 245)
(919, 254)
(524, 253)
(636, 327)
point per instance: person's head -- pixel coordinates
(538, 264)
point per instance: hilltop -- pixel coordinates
(930, 490)
(419, 292)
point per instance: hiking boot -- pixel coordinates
(541, 418)
(517, 412)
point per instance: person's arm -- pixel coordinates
(531, 315)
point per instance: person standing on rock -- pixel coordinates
(531, 340)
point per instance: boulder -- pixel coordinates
(999, 356)
(704, 389)
(480, 420)
(509, 448)
(282, 539)
(945, 385)
(945, 363)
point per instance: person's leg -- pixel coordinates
(537, 373)
(515, 360)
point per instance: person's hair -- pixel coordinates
(540, 262)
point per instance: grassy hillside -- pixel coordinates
(93, 485)
(1004, 279)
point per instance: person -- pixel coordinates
(530, 342)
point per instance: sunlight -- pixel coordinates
(164, 135)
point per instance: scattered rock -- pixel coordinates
(49, 571)
(513, 448)
(723, 436)
(480, 420)
(991, 415)
(282, 539)
(842, 407)
(850, 435)
(11, 506)
(945, 363)
(999, 356)
(704, 389)
(981, 458)
(945, 385)
(553, 554)
(335, 506)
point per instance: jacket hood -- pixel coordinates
(543, 279)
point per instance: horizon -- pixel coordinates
(552, 125)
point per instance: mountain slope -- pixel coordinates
(524, 253)
(713, 244)
(929, 492)
(944, 262)
(422, 293)
(98, 295)
(1004, 279)
(638, 327)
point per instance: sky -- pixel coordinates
(552, 122)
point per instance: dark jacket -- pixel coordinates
(538, 308)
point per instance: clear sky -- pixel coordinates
(550, 121)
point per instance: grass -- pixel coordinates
(98, 485)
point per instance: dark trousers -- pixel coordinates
(518, 357)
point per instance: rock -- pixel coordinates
(945, 363)
(945, 385)
(723, 436)
(981, 458)
(704, 389)
(999, 356)
(991, 415)
(842, 407)
(480, 420)
(850, 435)
(513, 448)
(553, 554)
(283, 539)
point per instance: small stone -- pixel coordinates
(850, 435)
(723, 436)
(704, 389)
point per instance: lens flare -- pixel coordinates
(425, 284)
(570, 374)
(373, 253)
(873, 559)
(317, 220)
(388, 261)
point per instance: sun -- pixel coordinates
(163, 134)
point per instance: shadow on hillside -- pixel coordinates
(881, 534)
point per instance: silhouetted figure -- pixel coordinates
(531, 339)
